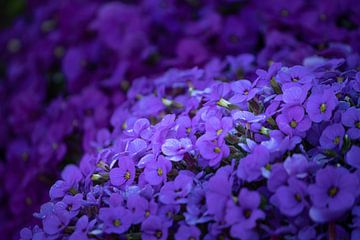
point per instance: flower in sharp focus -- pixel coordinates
(124, 174)
(212, 148)
(321, 105)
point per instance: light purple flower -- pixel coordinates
(175, 149)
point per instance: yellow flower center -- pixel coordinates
(117, 223)
(127, 175)
(293, 124)
(297, 197)
(323, 107)
(217, 150)
(333, 191)
(159, 172)
(218, 132)
(247, 213)
(158, 234)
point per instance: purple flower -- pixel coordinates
(250, 167)
(175, 149)
(293, 121)
(243, 213)
(332, 136)
(177, 190)
(334, 191)
(290, 199)
(212, 148)
(351, 119)
(187, 232)
(296, 165)
(153, 228)
(116, 219)
(218, 191)
(294, 93)
(278, 177)
(71, 176)
(56, 221)
(295, 74)
(218, 127)
(321, 105)
(124, 174)
(141, 129)
(138, 207)
(156, 170)
(243, 91)
(35, 234)
(82, 228)
(353, 156)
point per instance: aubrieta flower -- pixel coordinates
(250, 167)
(243, 214)
(351, 119)
(212, 148)
(116, 219)
(218, 127)
(175, 149)
(352, 157)
(243, 90)
(187, 232)
(157, 152)
(321, 105)
(335, 191)
(332, 136)
(156, 170)
(176, 191)
(293, 121)
(153, 228)
(290, 199)
(124, 174)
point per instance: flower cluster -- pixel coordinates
(90, 80)
(268, 157)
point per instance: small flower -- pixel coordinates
(175, 149)
(250, 167)
(332, 136)
(156, 170)
(177, 190)
(334, 191)
(212, 148)
(124, 174)
(290, 199)
(296, 165)
(243, 91)
(187, 232)
(218, 127)
(351, 119)
(321, 105)
(243, 213)
(153, 228)
(116, 219)
(353, 156)
(293, 121)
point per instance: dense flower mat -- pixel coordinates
(180, 119)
